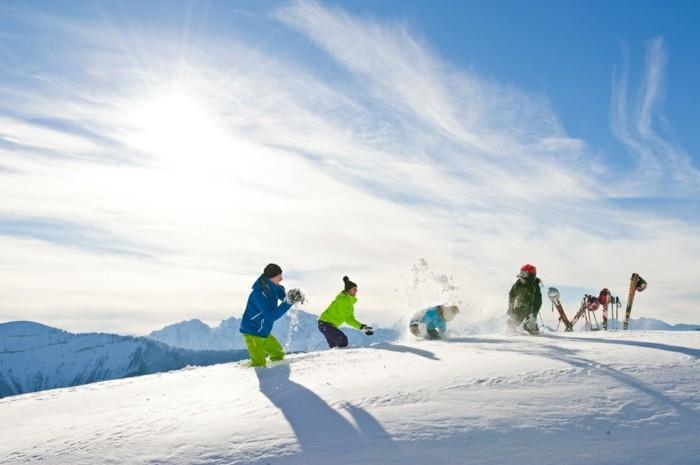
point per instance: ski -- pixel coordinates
(637, 284)
(605, 298)
(553, 294)
(579, 313)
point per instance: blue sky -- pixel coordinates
(153, 157)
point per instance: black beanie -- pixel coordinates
(348, 284)
(272, 270)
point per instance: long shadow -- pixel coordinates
(555, 353)
(626, 379)
(368, 426)
(572, 357)
(403, 349)
(320, 429)
(649, 345)
(479, 340)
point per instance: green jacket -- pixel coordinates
(525, 297)
(341, 310)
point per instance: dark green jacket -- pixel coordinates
(525, 297)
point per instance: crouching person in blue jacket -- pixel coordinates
(431, 323)
(262, 310)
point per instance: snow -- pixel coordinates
(617, 397)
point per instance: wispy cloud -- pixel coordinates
(466, 125)
(215, 164)
(664, 167)
(66, 234)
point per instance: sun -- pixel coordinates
(178, 129)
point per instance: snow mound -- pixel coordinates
(622, 398)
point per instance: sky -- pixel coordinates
(155, 156)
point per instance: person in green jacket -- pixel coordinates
(525, 301)
(341, 310)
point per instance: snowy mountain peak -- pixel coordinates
(194, 324)
(18, 327)
(26, 335)
(35, 357)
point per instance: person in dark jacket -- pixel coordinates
(262, 310)
(525, 300)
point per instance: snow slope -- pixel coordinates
(617, 398)
(34, 357)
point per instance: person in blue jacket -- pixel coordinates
(261, 312)
(431, 323)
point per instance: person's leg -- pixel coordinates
(334, 336)
(342, 339)
(519, 315)
(415, 329)
(274, 348)
(256, 349)
(531, 325)
(434, 334)
(326, 331)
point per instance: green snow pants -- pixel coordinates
(260, 347)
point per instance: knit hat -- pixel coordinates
(272, 270)
(348, 284)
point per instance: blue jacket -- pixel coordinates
(431, 319)
(262, 309)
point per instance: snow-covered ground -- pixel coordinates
(614, 398)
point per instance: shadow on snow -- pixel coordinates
(321, 430)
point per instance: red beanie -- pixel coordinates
(530, 269)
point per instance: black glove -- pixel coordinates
(367, 330)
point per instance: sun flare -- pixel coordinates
(178, 129)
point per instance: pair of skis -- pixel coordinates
(553, 294)
(591, 303)
(637, 284)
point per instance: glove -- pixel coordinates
(295, 296)
(367, 330)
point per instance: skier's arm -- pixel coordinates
(261, 303)
(511, 298)
(281, 309)
(351, 321)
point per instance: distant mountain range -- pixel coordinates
(34, 357)
(647, 324)
(297, 331)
